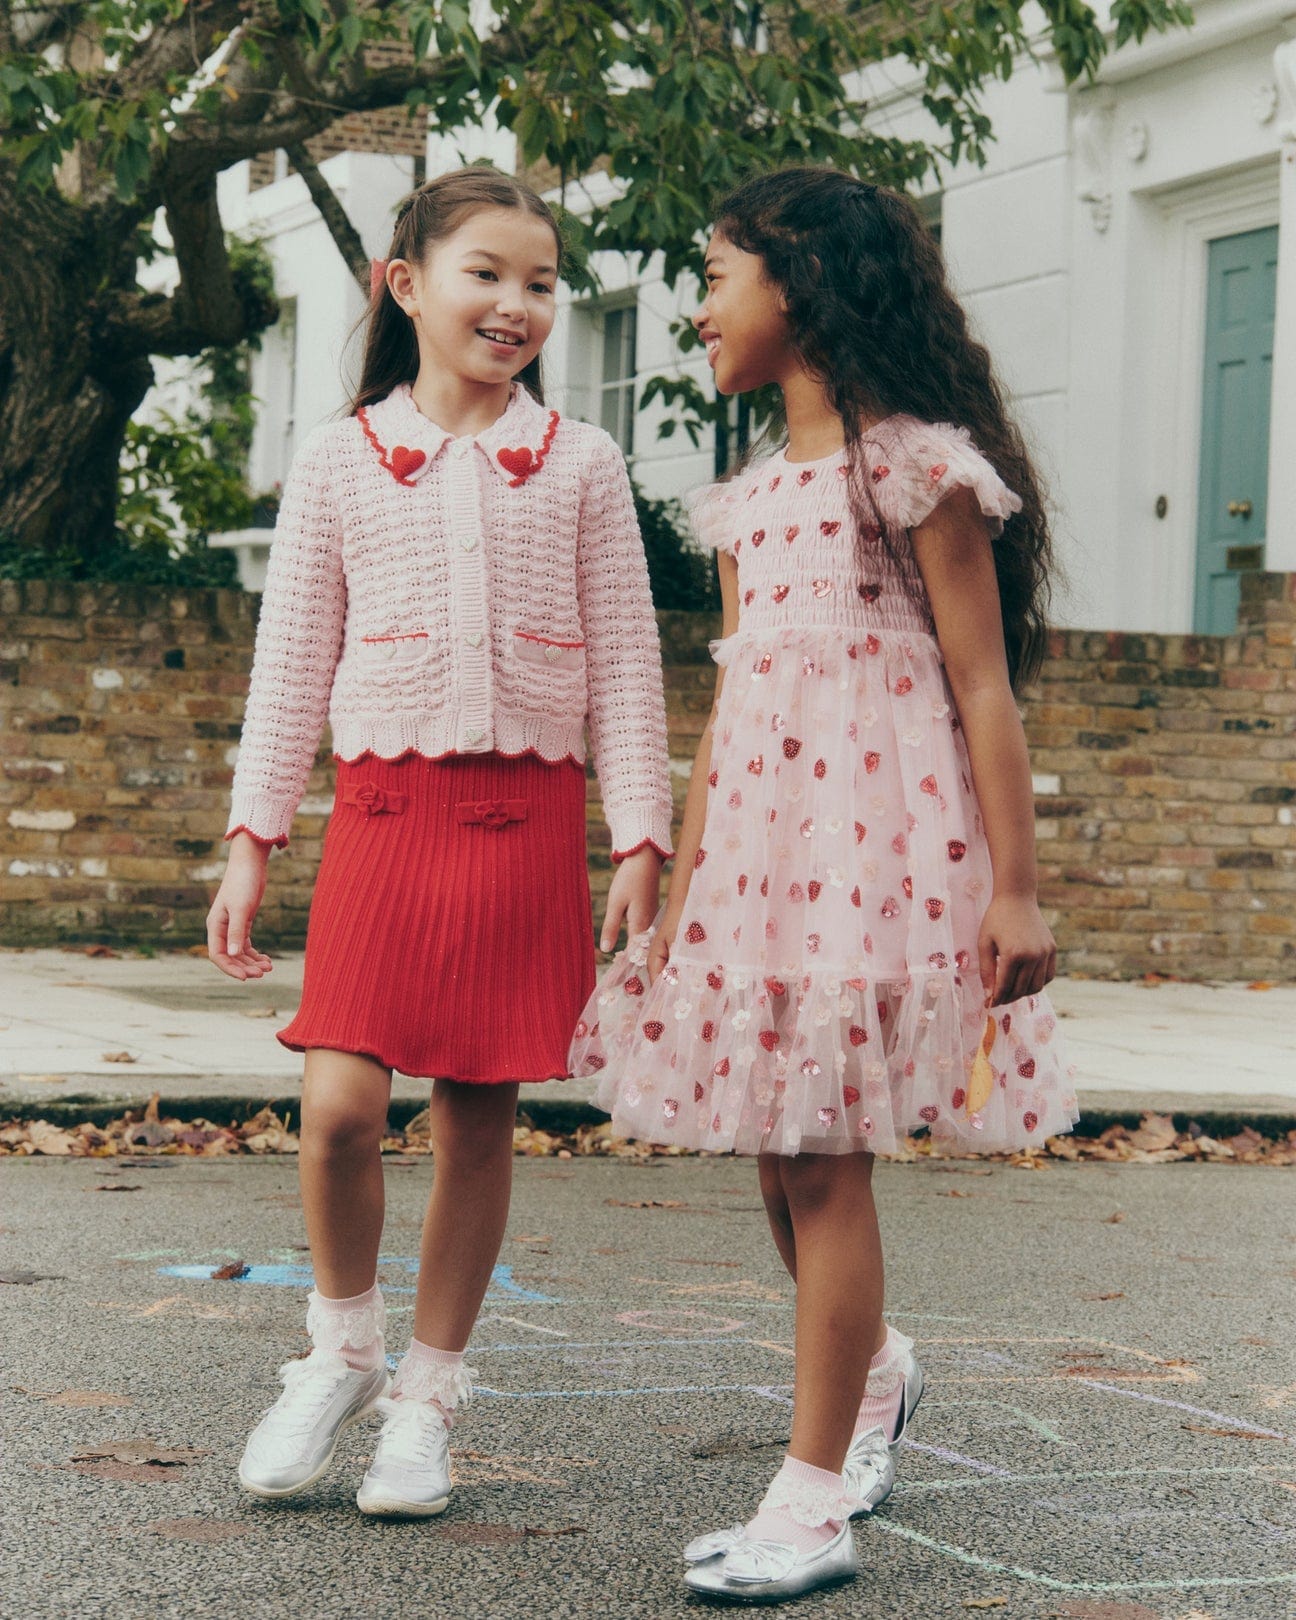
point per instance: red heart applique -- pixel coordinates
(405, 462)
(516, 462)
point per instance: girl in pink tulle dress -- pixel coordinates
(851, 950)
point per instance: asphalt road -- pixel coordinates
(1107, 1434)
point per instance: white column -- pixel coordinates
(1280, 546)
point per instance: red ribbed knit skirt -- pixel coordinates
(450, 931)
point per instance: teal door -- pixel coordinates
(1235, 423)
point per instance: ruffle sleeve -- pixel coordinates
(712, 511)
(917, 465)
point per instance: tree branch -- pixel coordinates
(178, 46)
(333, 214)
(207, 296)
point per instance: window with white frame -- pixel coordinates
(602, 363)
(616, 387)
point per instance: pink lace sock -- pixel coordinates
(350, 1328)
(884, 1391)
(804, 1507)
(439, 1376)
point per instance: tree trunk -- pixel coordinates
(65, 394)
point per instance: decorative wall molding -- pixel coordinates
(1285, 87)
(1092, 125)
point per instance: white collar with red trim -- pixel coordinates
(407, 443)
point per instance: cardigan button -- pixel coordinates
(475, 737)
(469, 542)
(475, 639)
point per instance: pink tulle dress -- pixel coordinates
(822, 993)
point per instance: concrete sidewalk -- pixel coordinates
(81, 1031)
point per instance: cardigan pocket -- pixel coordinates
(548, 651)
(394, 652)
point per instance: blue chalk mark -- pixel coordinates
(502, 1283)
(274, 1276)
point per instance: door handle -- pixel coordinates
(1240, 509)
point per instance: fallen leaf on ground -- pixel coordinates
(732, 1445)
(41, 1079)
(260, 1012)
(118, 1186)
(98, 950)
(1115, 1218)
(985, 1603)
(117, 1057)
(1228, 1434)
(231, 1272)
(562, 1530)
(197, 950)
(645, 1203)
(141, 1450)
(204, 1530)
(24, 1277)
(1261, 984)
(1102, 1296)
(479, 1535)
(1155, 1133)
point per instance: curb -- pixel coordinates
(565, 1117)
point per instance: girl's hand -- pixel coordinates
(229, 922)
(1017, 952)
(633, 897)
(660, 949)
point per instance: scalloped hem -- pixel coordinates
(619, 855)
(281, 842)
(457, 753)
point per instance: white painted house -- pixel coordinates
(1128, 253)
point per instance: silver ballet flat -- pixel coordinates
(869, 1471)
(714, 1545)
(772, 1571)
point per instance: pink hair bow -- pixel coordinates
(377, 277)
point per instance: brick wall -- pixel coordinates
(1166, 778)
(398, 130)
(1166, 767)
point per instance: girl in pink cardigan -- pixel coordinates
(457, 582)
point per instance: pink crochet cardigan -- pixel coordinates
(457, 596)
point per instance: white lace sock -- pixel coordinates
(438, 1376)
(884, 1391)
(804, 1507)
(351, 1328)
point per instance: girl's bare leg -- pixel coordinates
(472, 1150)
(343, 1116)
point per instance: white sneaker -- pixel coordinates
(409, 1477)
(294, 1442)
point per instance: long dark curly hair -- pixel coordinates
(874, 319)
(424, 218)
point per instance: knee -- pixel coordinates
(809, 1182)
(473, 1129)
(334, 1124)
